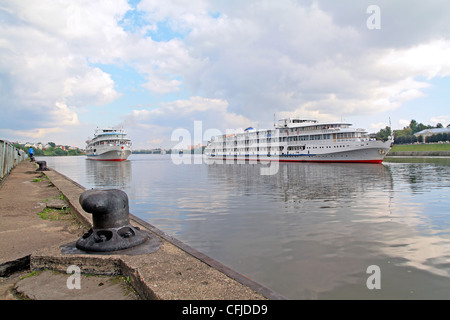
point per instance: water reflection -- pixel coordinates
(307, 181)
(108, 174)
(309, 231)
(326, 223)
(310, 222)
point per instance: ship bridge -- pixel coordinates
(294, 122)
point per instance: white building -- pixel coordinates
(429, 132)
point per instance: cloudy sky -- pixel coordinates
(151, 66)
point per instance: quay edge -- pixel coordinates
(418, 154)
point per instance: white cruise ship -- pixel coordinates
(298, 140)
(108, 145)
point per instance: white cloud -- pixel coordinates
(36, 133)
(91, 86)
(404, 123)
(240, 61)
(444, 120)
(63, 115)
(162, 86)
(182, 113)
(183, 15)
(45, 75)
(426, 59)
(39, 49)
(377, 126)
(158, 124)
(265, 57)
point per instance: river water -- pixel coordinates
(308, 231)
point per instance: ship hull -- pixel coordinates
(112, 155)
(281, 159)
(365, 155)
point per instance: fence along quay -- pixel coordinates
(10, 157)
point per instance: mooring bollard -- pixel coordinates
(42, 166)
(111, 229)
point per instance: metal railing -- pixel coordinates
(10, 157)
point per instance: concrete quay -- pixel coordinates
(34, 266)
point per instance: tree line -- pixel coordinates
(51, 151)
(406, 135)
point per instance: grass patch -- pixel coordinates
(421, 147)
(54, 214)
(127, 287)
(31, 274)
(72, 224)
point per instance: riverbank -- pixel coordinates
(420, 150)
(30, 245)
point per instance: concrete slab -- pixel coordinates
(57, 204)
(22, 196)
(51, 285)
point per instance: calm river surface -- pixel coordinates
(310, 231)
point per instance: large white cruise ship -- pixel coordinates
(108, 145)
(298, 140)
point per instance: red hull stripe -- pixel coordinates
(107, 159)
(325, 161)
(341, 161)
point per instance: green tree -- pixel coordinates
(417, 127)
(413, 126)
(384, 134)
(404, 132)
(49, 151)
(73, 153)
(60, 152)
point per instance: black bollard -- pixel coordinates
(111, 229)
(42, 166)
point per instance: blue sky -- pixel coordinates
(152, 66)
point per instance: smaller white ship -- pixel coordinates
(108, 145)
